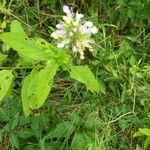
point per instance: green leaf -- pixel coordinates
(14, 122)
(28, 48)
(132, 61)
(146, 143)
(31, 147)
(2, 58)
(92, 123)
(145, 131)
(84, 75)
(84, 141)
(1, 135)
(136, 134)
(17, 28)
(75, 118)
(63, 129)
(4, 117)
(36, 88)
(14, 141)
(24, 133)
(138, 147)
(45, 81)
(6, 78)
(28, 92)
(142, 131)
(131, 13)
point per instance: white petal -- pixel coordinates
(60, 45)
(60, 32)
(54, 35)
(85, 30)
(94, 30)
(82, 56)
(66, 41)
(68, 11)
(88, 24)
(74, 49)
(78, 17)
(71, 34)
(74, 30)
(59, 26)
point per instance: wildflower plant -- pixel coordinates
(72, 35)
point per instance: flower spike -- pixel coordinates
(74, 33)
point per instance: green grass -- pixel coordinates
(73, 118)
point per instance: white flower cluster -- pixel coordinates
(74, 33)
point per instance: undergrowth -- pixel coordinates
(73, 117)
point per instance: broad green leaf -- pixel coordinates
(6, 78)
(27, 48)
(45, 81)
(28, 92)
(36, 88)
(84, 75)
(17, 28)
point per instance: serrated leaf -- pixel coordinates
(36, 88)
(17, 28)
(6, 78)
(28, 48)
(63, 129)
(84, 75)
